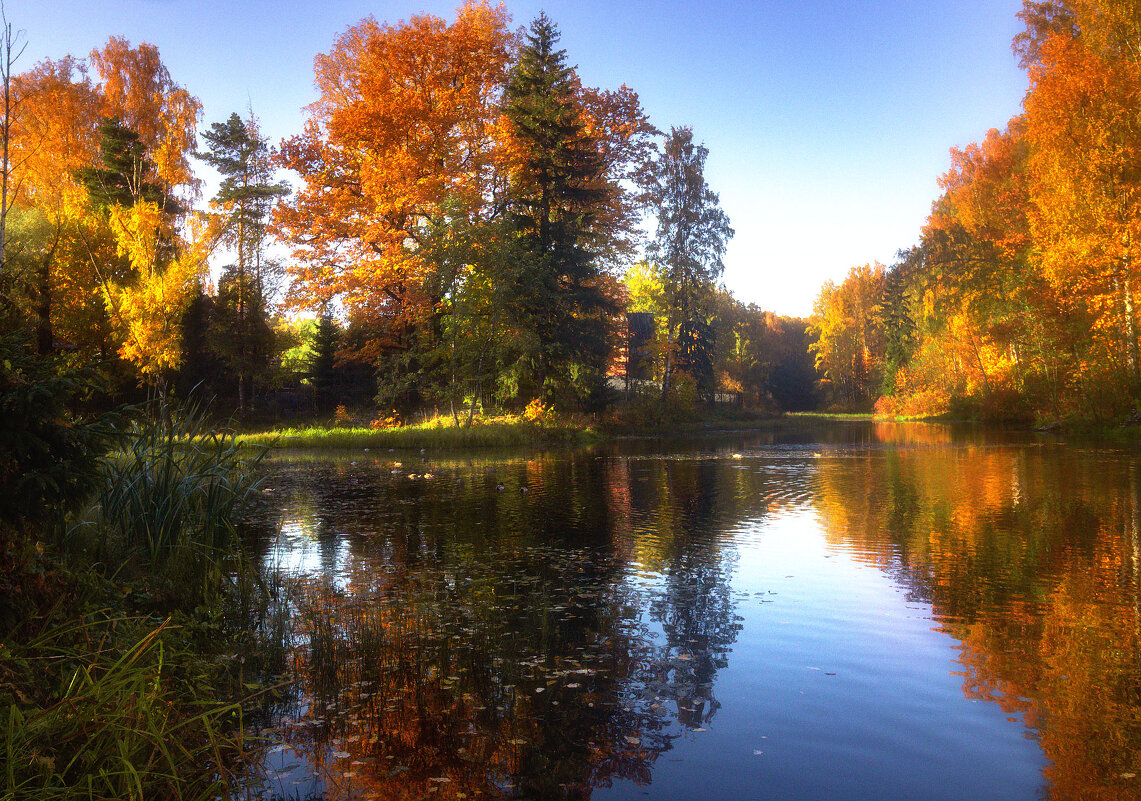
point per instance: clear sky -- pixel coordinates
(827, 123)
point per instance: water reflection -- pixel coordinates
(1029, 557)
(561, 626)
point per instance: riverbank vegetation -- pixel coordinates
(133, 628)
(1018, 302)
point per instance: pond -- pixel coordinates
(862, 610)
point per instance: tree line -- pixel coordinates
(1019, 299)
(463, 226)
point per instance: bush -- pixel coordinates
(177, 486)
(49, 452)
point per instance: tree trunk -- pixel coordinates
(1130, 324)
(5, 134)
(44, 337)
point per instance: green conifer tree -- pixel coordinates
(559, 307)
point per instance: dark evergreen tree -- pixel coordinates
(241, 335)
(695, 349)
(560, 310)
(323, 364)
(201, 369)
(127, 175)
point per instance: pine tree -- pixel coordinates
(246, 195)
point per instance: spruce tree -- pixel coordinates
(555, 291)
(323, 364)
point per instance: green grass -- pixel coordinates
(132, 639)
(437, 434)
(114, 708)
(843, 416)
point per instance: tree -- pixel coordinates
(142, 189)
(245, 199)
(138, 90)
(849, 342)
(8, 57)
(561, 192)
(147, 305)
(1084, 130)
(53, 138)
(400, 140)
(323, 363)
(692, 230)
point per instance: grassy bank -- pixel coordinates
(134, 630)
(442, 434)
(437, 434)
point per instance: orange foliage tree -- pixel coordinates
(400, 140)
(162, 258)
(849, 337)
(1084, 129)
(101, 231)
(54, 135)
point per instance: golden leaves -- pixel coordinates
(137, 89)
(402, 134)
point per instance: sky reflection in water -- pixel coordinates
(901, 611)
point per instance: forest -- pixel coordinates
(1018, 302)
(461, 226)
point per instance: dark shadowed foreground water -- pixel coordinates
(865, 611)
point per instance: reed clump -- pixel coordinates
(145, 631)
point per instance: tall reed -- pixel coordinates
(177, 484)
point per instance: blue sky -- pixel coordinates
(828, 123)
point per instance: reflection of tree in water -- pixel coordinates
(694, 607)
(489, 679)
(1031, 559)
(697, 614)
(492, 642)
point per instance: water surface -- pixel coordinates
(850, 612)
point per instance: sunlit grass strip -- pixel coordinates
(438, 434)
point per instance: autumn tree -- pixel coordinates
(691, 236)
(52, 139)
(137, 89)
(399, 143)
(849, 343)
(1084, 130)
(142, 186)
